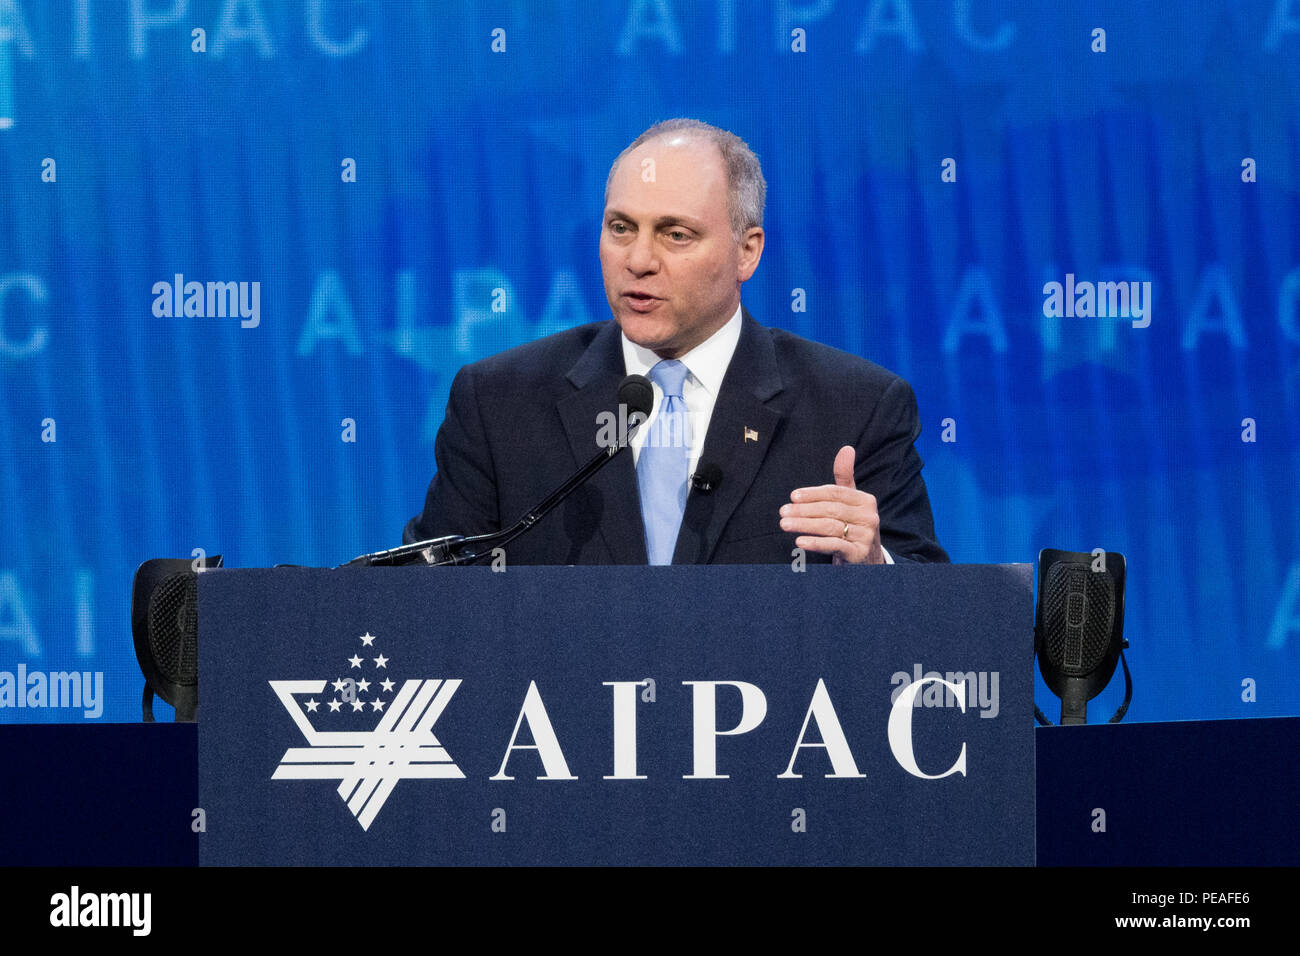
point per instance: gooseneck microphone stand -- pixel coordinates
(635, 392)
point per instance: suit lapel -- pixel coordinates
(596, 376)
(740, 433)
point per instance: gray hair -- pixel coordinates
(746, 188)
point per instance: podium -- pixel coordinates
(1186, 793)
(617, 715)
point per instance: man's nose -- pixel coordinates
(641, 258)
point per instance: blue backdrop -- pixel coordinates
(931, 165)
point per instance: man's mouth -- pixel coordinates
(641, 301)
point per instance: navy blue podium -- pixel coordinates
(829, 654)
(678, 715)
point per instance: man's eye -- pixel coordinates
(618, 228)
(678, 235)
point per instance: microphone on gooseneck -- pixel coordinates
(635, 393)
(638, 395)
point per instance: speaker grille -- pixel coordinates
(173, 628)
(1079, 613)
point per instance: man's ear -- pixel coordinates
(751, 250)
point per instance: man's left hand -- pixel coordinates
(836, 519)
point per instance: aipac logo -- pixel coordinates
(367, 762)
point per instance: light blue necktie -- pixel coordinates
(663, 467)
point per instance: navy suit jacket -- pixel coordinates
(518, 424)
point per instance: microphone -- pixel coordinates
(1079, 629)
(165, 630)
(635, 393)
(638, 395)
(707, 477)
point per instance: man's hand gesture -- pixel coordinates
(836, 519)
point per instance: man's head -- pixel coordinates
(683, 228)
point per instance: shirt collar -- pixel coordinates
(707, 362)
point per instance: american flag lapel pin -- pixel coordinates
(751, 434)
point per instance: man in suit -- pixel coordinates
(808, 447)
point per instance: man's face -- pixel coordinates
(672, 267)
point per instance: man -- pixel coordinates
(807, 447)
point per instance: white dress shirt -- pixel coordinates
(706, 364)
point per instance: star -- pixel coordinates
(338, 685)
(387, 686)
(377, 704)
(381, 661)
(358, 704)
(334, 706)
(367, 639)
(354, 661)
(312, 705)
(363, 685)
